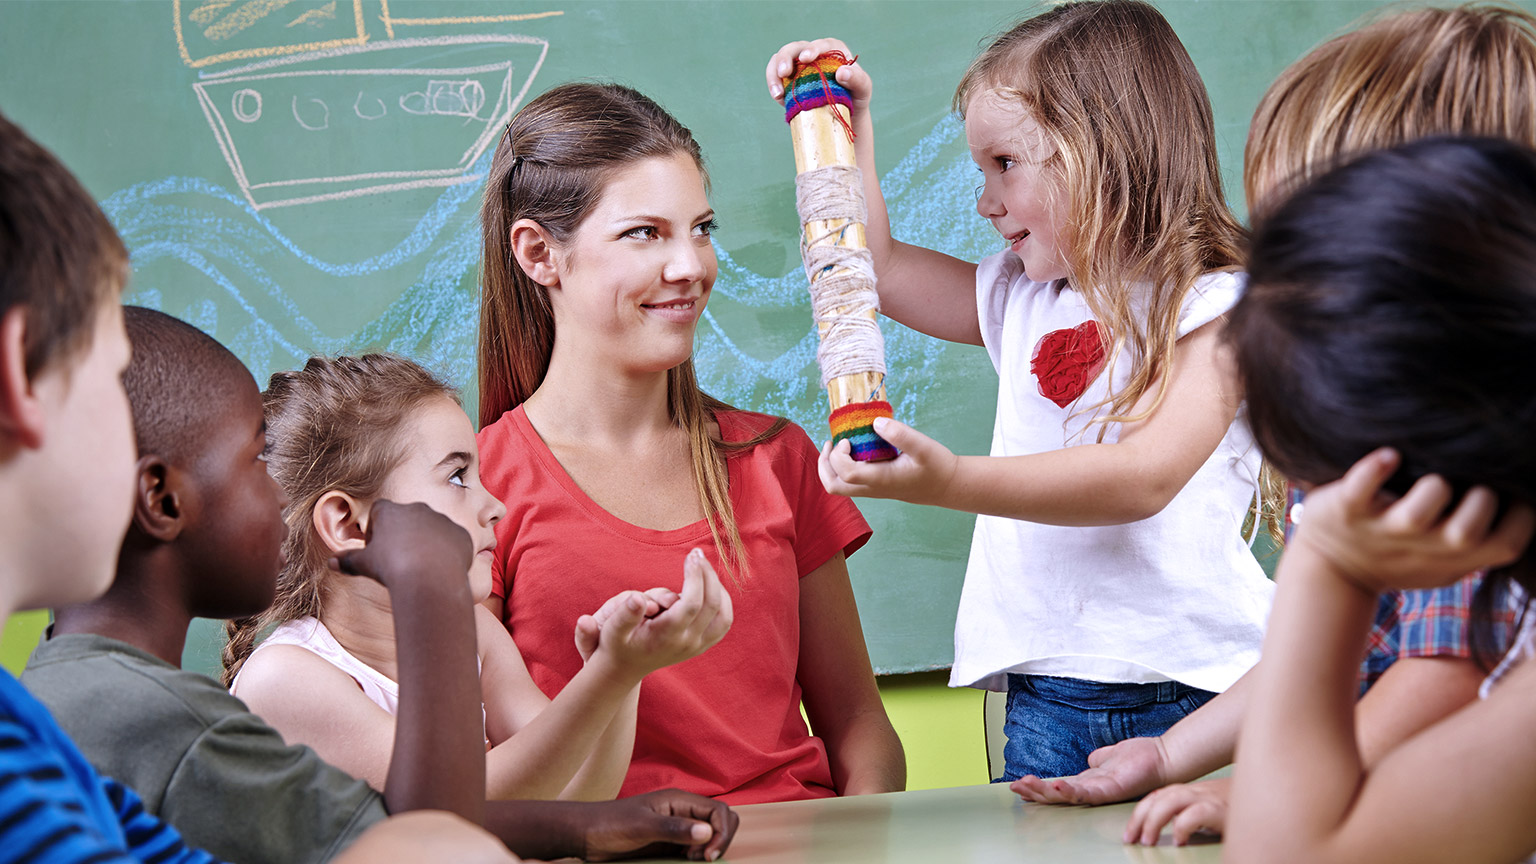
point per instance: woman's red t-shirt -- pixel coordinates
(727, 723)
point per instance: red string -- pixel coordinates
(826, 87)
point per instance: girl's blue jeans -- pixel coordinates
(1054, 723)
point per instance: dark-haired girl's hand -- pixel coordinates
(1420, 540)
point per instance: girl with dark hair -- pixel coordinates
(1384, 345)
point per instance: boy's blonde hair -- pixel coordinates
(1470, 70)
(1115, 92)
(331, 426)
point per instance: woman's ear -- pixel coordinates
(535, 251)
(160, 500)
(341, 521)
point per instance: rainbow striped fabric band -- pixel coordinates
(813, 86)
(856, 423)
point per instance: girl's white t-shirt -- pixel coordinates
(310, 634)
(1178, 596)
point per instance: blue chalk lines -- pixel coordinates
(261, 272)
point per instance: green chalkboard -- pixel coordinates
(300, 177)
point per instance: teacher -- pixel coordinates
(613, 464)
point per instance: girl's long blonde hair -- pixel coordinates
(1114, 91)
(551, 166)
(331, 426)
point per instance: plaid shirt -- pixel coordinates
(1433, 622)
(1524, 640)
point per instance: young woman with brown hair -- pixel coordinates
(613, 464)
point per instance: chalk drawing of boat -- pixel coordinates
(346, 116)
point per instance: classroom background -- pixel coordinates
(303, 176)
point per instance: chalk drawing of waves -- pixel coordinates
(215, 231)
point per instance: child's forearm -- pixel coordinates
(602, 775)
(1412, 695)
(540, 760)
(877, 228)
(1299, 766)
(438, 758)
(1205, 740)
(1092, 484)
(921, 288)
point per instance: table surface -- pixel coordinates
(964, 825)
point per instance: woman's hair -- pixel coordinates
(1392, 302)
(332, 426)
(1469, 70)
(1135, 165)
(552, 165)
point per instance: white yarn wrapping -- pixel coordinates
(842, 279)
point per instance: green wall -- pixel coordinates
(303, 177)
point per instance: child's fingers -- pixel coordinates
(850, 472)
(782, 64)
(727, 613)
(1152, 813)
(824, 470)
(825, 45)
(1472, 519)
(1363, 480)
(1032, 788)
(662, 597)
(712, 587)
(901, 436)
(628, 615)
(606, 611)
(353, 562)
(1199, 816)
(723, 821)
(720, 624)
(686, 609)
(587, 635)
(1422, 507)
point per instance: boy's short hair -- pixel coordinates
(59, 256)
(179, 376)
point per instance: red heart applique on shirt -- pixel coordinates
(1066, 361)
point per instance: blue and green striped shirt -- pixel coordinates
(55, 808)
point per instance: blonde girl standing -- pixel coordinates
(1110, 589)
